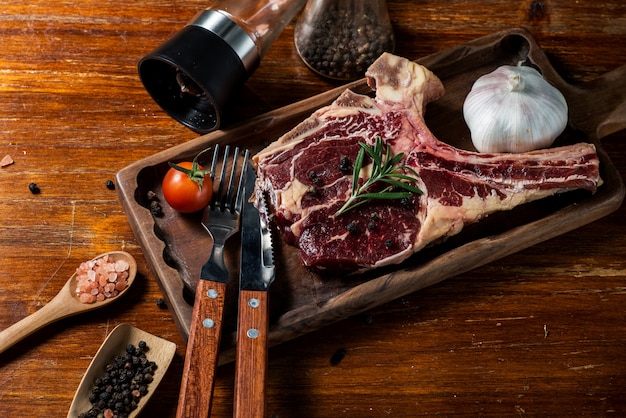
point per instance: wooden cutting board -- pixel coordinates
(176, 246)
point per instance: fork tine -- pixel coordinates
(216, 150)
(231, 183)
(240, 190)
(228, 195)
(218, 198)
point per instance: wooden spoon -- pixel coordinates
(160, 351)
(64, 304)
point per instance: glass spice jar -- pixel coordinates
(340, 39)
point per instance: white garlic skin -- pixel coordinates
(514, 109)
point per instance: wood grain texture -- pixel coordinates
(537, 333)
(251, 357)
(196, 391)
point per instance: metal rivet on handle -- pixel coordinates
(253, 303)
(252, 333)
(212, 293)
(208, 323)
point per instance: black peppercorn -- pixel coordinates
(160, 302)
(337, 356)
(155, 208)
(109, 185)
(352, 228)
(388, 243)
(368, 319)
(537, 10)
(345, 166)
(340, 43)
(34, 189)
(111, 390)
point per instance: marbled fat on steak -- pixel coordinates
(307, 174)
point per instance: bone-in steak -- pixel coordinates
(307, 174)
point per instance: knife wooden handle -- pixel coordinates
(251, 361)
(196, 390)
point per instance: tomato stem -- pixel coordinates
(196, 173)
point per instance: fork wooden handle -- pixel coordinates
(196, 391)
(251, 362)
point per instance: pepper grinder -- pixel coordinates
(340, 39)
(193, 75)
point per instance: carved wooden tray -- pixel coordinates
(176, 246)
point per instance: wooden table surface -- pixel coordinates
(539, 333)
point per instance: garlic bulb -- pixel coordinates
(514, 109)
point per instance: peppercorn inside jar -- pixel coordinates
(340, 39)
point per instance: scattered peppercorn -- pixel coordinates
(118, 391)
(160, 302)
(388, 243)
(109, 184)
(337, 356)
(151, 195)
(155, 208)
(345, 166)
(34, 189)
(537, 10)
(352, 228)
(368, 319)
(371, 225)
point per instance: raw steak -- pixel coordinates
(307, 174)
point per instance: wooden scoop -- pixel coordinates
(160, 351)
(64, 304)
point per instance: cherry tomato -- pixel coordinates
(187, 187)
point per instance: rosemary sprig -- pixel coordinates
(384, 170)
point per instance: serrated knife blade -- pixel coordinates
(257, 256)
(257, 272)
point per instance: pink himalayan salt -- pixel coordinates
(6, 160)
(101, 279)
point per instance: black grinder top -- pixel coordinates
(192, 75)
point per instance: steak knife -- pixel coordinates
(257, 272)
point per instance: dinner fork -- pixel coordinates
(221, 220)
